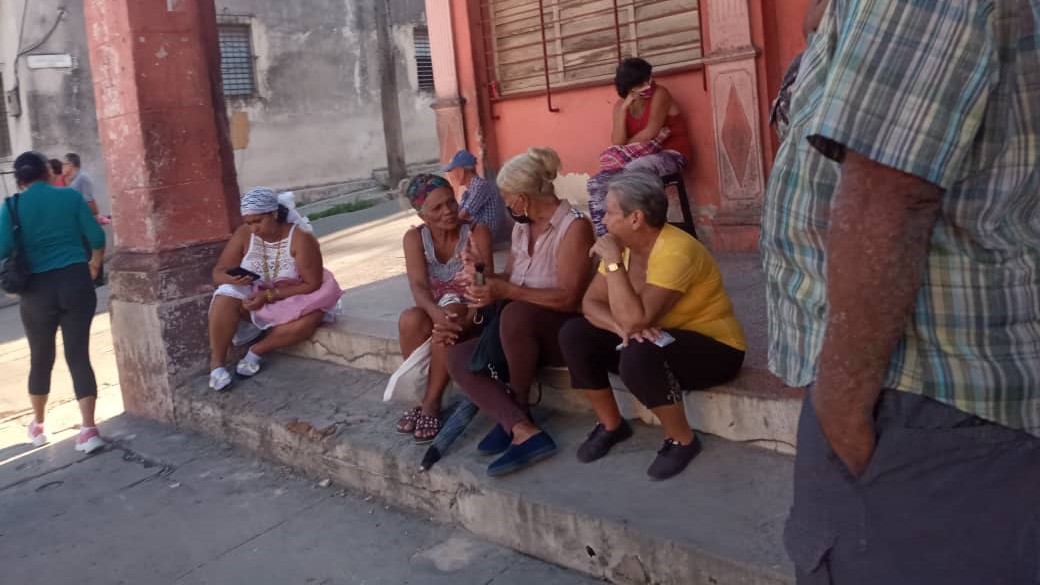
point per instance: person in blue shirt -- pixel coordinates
(55, 221)
(481, 203)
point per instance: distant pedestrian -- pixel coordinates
(57, 178)
(481, 202)
(78, 179)
(901, 246)
(54, 222)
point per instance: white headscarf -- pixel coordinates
(264, 200)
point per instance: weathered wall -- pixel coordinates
(315, 121)
(580, 130)
(57, 104)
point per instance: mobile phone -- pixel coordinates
(664, 340)
(478, 278)
(239, 271)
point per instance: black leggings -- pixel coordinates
(656, 376)
(60, 298)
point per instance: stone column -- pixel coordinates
(451, 128)
(171, 173)
(733, 84)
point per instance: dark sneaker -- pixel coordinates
(601, 440)
(673, 458)
(496, 442)
(517, 457)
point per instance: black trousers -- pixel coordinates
(62, 298)
(656, 376)
(947, 498)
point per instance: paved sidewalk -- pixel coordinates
(162, 507)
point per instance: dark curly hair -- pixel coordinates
(631, 73)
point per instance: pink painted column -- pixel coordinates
(448, 105)
(733, 85)
(171, 172)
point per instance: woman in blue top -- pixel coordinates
(55, 221)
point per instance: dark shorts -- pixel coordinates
(947, 499)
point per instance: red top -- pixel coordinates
(679, 140)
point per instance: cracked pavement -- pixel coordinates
(163, 507)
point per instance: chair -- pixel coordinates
(675, 180)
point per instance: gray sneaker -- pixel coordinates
(601, 440)
(673, 458)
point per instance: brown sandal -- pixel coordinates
(406, 424)
(426, 428)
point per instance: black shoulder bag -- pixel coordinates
(489, 358)
(14, 270)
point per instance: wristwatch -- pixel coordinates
(613, 267)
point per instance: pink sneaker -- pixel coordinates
(89, 440)
(37, 437)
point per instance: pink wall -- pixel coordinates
(580, 131)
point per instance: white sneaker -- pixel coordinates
(89, 441)
(219, 379)
(247, 368)
(37, 436)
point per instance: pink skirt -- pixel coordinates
(325, 299)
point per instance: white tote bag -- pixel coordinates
(409, 382)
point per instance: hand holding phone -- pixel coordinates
(239, 272)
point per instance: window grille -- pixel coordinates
(423, 60)
(5, 132)
(236, 60)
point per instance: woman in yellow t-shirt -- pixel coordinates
(657, 286)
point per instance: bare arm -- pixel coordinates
(481, 236)
(309, 265)
(636, 312)
(619, 131)
(877, 246)
(418, 276)
(573, 273)
(231, 257)
(659, 106)
(596, 307)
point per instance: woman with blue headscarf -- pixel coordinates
(270, 278)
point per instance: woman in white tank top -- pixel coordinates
(270, 277)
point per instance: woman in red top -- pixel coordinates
(648, 134)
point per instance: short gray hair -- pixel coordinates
(640, 191)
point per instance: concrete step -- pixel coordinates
(755, 408)
(720, 522)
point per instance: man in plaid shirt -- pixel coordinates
(481, 202)
(901, 243)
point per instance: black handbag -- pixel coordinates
(14, 270)
(489, 358)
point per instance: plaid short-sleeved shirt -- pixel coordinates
(483, 202)
(948, 91)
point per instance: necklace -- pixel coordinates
(277, 262)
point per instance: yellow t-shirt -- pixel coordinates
(680, 263)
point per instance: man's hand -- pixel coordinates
(850, 433)
(607, 248)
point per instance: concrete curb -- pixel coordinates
(359, 451)
(753, 408)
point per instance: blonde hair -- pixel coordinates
(531, 173)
